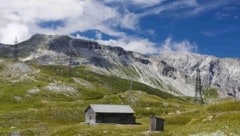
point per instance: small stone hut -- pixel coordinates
(107, 113)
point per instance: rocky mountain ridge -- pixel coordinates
(172, 72)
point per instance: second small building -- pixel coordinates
(107, 113)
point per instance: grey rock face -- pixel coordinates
(173, 72)
(220, 73)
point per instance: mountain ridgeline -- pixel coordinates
(173, 72)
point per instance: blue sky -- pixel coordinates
(215, 32)
(209, 27)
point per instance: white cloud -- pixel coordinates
(145, 46)
(12, 31)
(20, 18)
(33, 11)
(141, 3)
(136, 44)
(98, 35)
(183, 46)
(151, 31)
(129, 20)
(185, 8)
(139, 45)
(173, 6)
(77, 15)
(146, 3)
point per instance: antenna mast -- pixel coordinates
(16, 49)
(235, 94)
(130, 93)
(198, 89)
(70, 62)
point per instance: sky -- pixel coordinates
(210, 27)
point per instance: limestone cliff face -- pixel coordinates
(221, 73)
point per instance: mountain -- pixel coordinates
(220, 73)
(173, 72)
(46, 91)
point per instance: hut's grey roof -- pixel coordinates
(109, 108)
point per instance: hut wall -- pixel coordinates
(90, 116)
(120, 118)
(156, 124)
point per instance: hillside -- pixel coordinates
(220, 73)
(172, 72)
(47, 100)
(48, 81)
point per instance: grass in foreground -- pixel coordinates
(51, 113)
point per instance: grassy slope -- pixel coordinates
(49, 113)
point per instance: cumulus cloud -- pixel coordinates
(172, 46)
(76, 15)
(21, 19)
(139, 45)
(12, 31)
(98, 35)
(144, 46)
(129, 20)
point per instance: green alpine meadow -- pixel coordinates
(47, 100)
